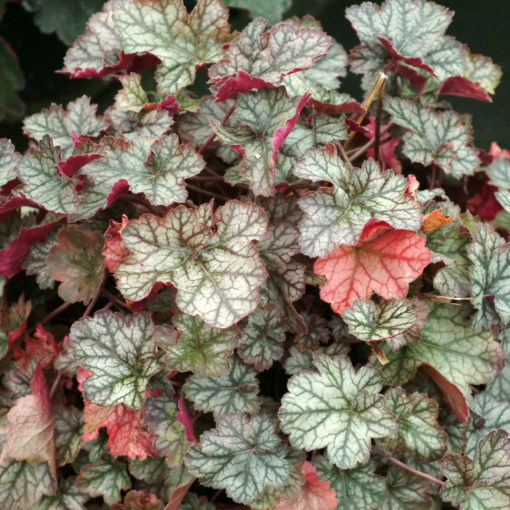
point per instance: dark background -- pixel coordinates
(483, 25)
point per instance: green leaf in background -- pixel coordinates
(482, 484)
(11, 106)
(406, 491)
(272, 10)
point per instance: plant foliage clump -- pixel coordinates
(271, 295)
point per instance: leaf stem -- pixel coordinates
(114, 299)
(379, 83)
(207, 192)
(55, 384)
(358, 151)
(55, 312)
(380, 100)
(346, 158)
(212, 136)
(95, 298)
(408, 468)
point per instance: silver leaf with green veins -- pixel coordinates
(121, 354)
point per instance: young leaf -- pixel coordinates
(161, 418)
(490, 274)
(196, 347)
(286, 280)
(262, 338)
(23, 484)
(244, 457)
(64, 125)
(406, 491)
(483, 483)
(9, 160)
(356, 489)
(218, 275)
(419, 435)
(259, 125)
(299, 360)
(440, 138)
(120, 353)
(314, 494)
(76, 261)
(105, 477)
(232, 393)
(411, 33)
(336, 408)
(42, 184)
(31, 426)
(183, 42)
(454, 355)
(337, 215)
(356, 272)
(259, 59)
(370, 322)
(155, 168)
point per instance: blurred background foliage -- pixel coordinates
(34, 36)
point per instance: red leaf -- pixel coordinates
(13, 256)
(178, 495)
(114, 251)
(410, 61)
(41, 347)
(461, 86)
(13, 320)
(314, 494)
(139, 500)
(128, 434)
(386, 150)
(484, 204)
(30, 434)
(242, 82)
(384, 261)
(72, 164)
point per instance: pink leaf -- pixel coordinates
(30, 433)
(184, 418)
(41, 347)
(114, 251)
(178, 495)
(384, 261)
(314, 494)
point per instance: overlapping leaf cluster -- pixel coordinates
(275, 291)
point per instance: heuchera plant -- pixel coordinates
(271, 296)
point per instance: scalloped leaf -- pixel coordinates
(490, 275)
(356, 489)
(23, 484)
(194, 346)
(64, 125)
(68, 431)
(419, 434)
(384, 261)
(242, 456)
(483, 483)
(337, 215)
(259, 125)
(139, 500)
(106, 477)
(232, 393)
(453, 354)
(218, 274)
(35, 261)
(155, 168)
(500, 385)
(76, 261)
(68, 497)
(120, 353)
(9, 160)
(31, 425)
(403, 32)
(440, 138)
(495, 414)
(337, 408)
(183, 42)
(262, 338)
(260, 59)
